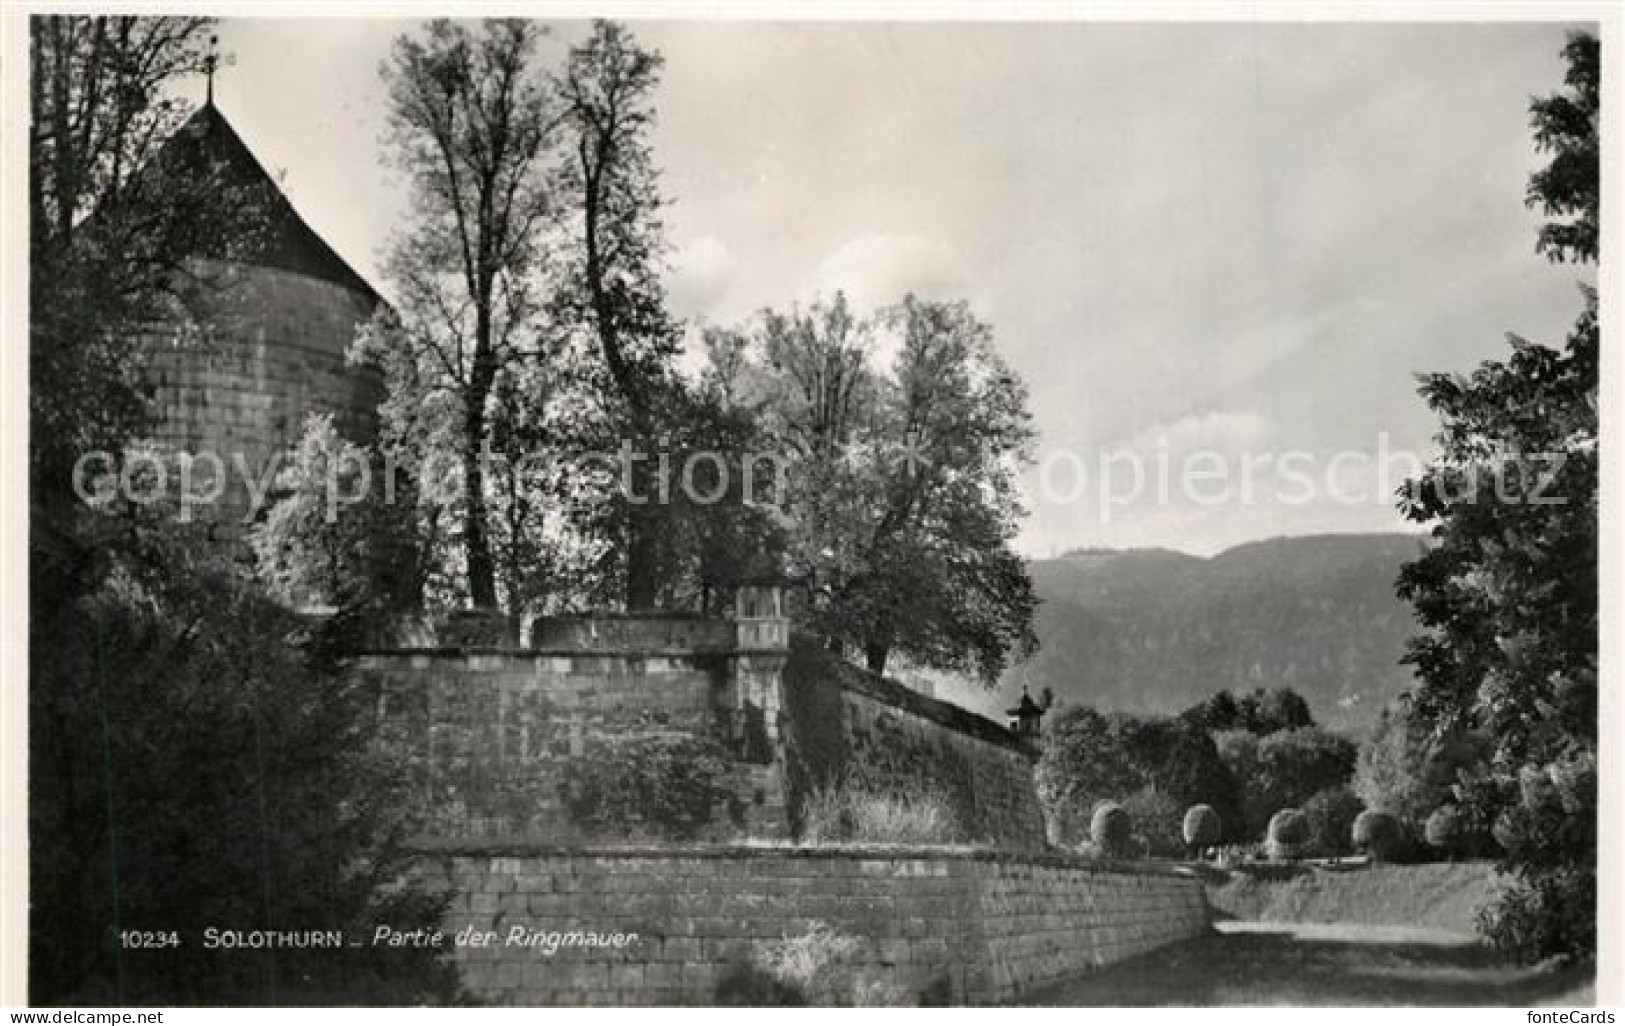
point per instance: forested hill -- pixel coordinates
(1150, 630)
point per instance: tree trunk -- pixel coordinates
(482, 590)
(642, 584)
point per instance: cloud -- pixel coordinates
(1227, 432)
(878, 269)
(702, 270)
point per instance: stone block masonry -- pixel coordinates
(239, 383)
(972, 927)
(496, 733)
(844, 723)
(493, 733)
(495, 729)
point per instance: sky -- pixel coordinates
(1216, 245)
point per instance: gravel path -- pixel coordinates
(1254, 963)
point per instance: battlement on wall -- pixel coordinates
(631, 634)
(758, 627)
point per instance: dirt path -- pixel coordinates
(1252, 963)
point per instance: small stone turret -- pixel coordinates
(756, 668)
(1027, 718)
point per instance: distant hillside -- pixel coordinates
(1149, 630)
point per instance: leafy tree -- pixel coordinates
(472, 122)
(1331, 814)
(114, 231)
(1082, 765)
(197, 762)
(608, 286)
(1444, 830)
(1283, 769)
(1180, 759)
(1262, 712)
(1157, 823)
(343, 539)
(1565, 125)
(942, 583)
(1404, 769)
(903, 503)
(194, 758)
(725, 525)
(1390, 772)
(1508, 594)
(1089, 757)
(1547, 820)
(1294, 764)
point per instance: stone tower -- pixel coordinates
(259, 343)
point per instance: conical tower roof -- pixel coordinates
(283, 240)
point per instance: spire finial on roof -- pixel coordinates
(210, 63)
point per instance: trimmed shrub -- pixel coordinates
(1288, 833)
(1378, 834)
(1111, 830)
(1201, 828)
(851, 813)
(1444, 829)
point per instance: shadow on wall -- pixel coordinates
(815, 748)
(849, 730)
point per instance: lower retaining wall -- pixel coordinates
(968, 927)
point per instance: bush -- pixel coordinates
(1547, 912)
(248, 788)
(1444, 830)
(655, 787)
(1288, 833)
(1201, 828)
(1378, 834)
(1111, 830)
(821, 967)
(1549, 832)
(1331, 814)
(1091, 757)
(852, 813)
(1283, 770)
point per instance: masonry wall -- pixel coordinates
(845, 723)
(493, 734)
(967, 927)
(267, 349)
